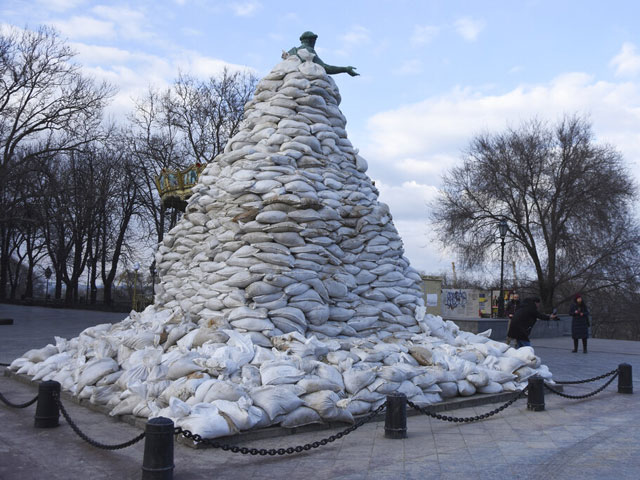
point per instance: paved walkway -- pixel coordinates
(585, 439)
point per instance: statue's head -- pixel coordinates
(308, 38)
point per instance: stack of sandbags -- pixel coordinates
(285, 232)
(285, 298)
(217, 382)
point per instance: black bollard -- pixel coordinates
(157, 463)
(47, 410)
(395, 423)
(625, 380)
(535, 395)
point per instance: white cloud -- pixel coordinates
(410, 67)
(85, 27)
(245, 9)
(129, 23)
(410, 147)
(627, 62)
(60, 5)
(204, 67)
(358, 36)
(423, 34)
(469, 28)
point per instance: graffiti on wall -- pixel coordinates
(455, 299)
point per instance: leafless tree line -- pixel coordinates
(78, 195)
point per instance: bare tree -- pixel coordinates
(156, 145)
(209, 113)
(46, 106)
(567, 201)
(188, 123)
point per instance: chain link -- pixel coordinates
(90, 441)
(280, 451)
(447, 418)
(580, 397)
(18, 405)
(576, 382)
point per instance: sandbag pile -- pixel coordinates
(285, 298)
(284, 232)
(218, 382)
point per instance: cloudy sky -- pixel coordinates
(433, 73)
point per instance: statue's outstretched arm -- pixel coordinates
(331, 69)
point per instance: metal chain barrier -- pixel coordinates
(280, 451)
(91, 442)
(580, 397)
(600, 377)
(17, 405)
(446, 418)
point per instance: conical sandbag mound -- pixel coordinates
(284, 231)
(284, 298)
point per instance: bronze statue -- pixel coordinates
(308, 40)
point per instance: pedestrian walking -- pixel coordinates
(579, 322)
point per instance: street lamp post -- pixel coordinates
(47, 275)
(136, 267)
(502, 227)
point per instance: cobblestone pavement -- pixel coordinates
(586, 439)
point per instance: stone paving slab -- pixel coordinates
(572, 439)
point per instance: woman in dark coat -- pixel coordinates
(580, 322)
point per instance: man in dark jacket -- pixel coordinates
(524, 319)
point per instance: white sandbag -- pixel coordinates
(40, 354)
(330, 373)
(526, 354)
(277, 372)
(262, 355)
(324, 402)
(465, 388)
(141, 339)
(491, 387)
(314, 383)
(102, 395)
(358, 377)
(208, 424)
(508, 364)
(409, 389)
(499, 376)
(424, 380)
(251, 376)
(242, 414)
(95, 370)
(449, 389)
(138, 373)
(223, 390)
(478, 379)
(182, 367)
(275, 400)
(299, 417)
(126, 406)
(426, 399)
(398, 373)
(175, 333)
(355, 407)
